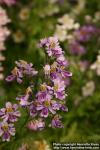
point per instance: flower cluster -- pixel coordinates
(49, 98)
(4, 32)
(8, 115)
(8, 2)
(81, 36)
(66, 24)
(22, 68)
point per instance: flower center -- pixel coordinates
(62, 67)
(55, 87)
(47, 103)
(5, 127)
(43, 87)
(9, 109)
(53, 69)
(52, 44)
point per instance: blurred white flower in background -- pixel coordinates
(41, 145)
(88, 19)
(79, 7)
(18, 36)
(61, 33)
(96, 16)
(35, 145)
(88, 89)
(96, 65)
(65, 24)
(24, 14)
(68, 22)
(52, 1)
(83, 65)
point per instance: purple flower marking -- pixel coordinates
(45, 93)
(23, 68)
(76, 48)
(61, 60)
(52, 46)
(23, 100)
(16, 75)
(56, 122)
(26, 68)
(33, 111)
(10, 112)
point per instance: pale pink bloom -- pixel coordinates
(8, 2)
(47, 69)
(3, 17)
(4, 32)
(36, 125)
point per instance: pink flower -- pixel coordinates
(8, 2)
(36, 125)
(47, 69)
(3, 17)
(52, 47)
(4, 32)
